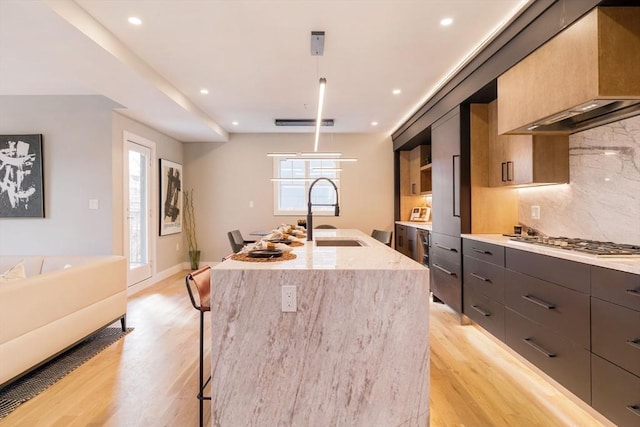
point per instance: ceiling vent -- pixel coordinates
(302, 122)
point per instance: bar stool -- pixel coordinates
(201, 278)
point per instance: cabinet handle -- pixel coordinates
(480, 251)
(456, 185)
(634, 343)
(635, 409)
(450, 273)
(413, 189)
(481, 311)
(538, 301)
(446, 248)
(509, 171)
(532, 344)
(633, 292)
(477, 276)
(504, 167)
(401, 241)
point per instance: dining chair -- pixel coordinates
(201, 280)
(237, 241)
(382, 236)
(325, 226)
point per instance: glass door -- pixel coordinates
(138, 211)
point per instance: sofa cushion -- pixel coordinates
(32, 263)
(15, 272)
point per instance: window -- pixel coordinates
(293, 178)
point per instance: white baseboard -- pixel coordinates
(134, 289)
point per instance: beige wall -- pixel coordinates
(227, 176)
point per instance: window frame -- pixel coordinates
(307, 180)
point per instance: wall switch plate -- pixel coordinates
(94, 204)
(250, 203)
(289, 303)
(535, 212)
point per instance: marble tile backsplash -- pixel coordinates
(602, 200)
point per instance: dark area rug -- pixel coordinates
(35, 382)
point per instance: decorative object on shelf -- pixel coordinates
(170, 197)
(21, 178)
(190, 230)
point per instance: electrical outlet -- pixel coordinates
(289, 303)
(177, 246)
(535, 212)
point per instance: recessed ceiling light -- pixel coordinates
(374, 123)
(445, 22)
(397, 92)
(204, 91)
(234, 123)
(135, 20)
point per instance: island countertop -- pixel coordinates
(374, 255)
(355, 352)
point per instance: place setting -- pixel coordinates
(275, 246)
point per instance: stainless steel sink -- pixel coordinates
(339, 242)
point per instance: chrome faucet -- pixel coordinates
(309, 205)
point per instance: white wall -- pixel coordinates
(77, 167)
(227, 176)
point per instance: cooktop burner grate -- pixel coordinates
(589, 247)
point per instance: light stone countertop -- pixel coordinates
(373, 256)
(354, 351)
(629, 265)
(416, 224)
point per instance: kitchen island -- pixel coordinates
(355, 353)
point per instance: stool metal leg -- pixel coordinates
(203, 384)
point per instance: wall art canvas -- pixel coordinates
(21, 176)
(170, 197)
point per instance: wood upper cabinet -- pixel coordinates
(420, 170)
(596, 58)
(525, 159)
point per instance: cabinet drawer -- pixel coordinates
(573, 275)
(553, 306)
(616, 286)
(485, 278)
(445, 252)
(446, 285)
(615, 334)
(484, 251)
(484, 311)
(559, 357)
(616, 393)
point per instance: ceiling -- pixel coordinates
(253, 56)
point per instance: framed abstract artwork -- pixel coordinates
(21, 176)
(170, 197)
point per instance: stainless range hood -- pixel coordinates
(587, 115)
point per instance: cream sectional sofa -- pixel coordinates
(62, 300)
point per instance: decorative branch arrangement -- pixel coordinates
(190, 229)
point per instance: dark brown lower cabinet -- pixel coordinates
(562, 359)
(485, 311)
(446, 269)
(616, 393)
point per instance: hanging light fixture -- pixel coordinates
(323, 84)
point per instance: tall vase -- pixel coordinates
(194, 257)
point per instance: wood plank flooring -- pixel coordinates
(149, 378)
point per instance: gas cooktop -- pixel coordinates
(588, 247)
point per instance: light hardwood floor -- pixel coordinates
(149, 378)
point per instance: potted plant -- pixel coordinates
(190, 230)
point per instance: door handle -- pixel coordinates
(538, 301)
(456, 185)
(450, 273)
(535, 346)
(481, 311)
(484, 279)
